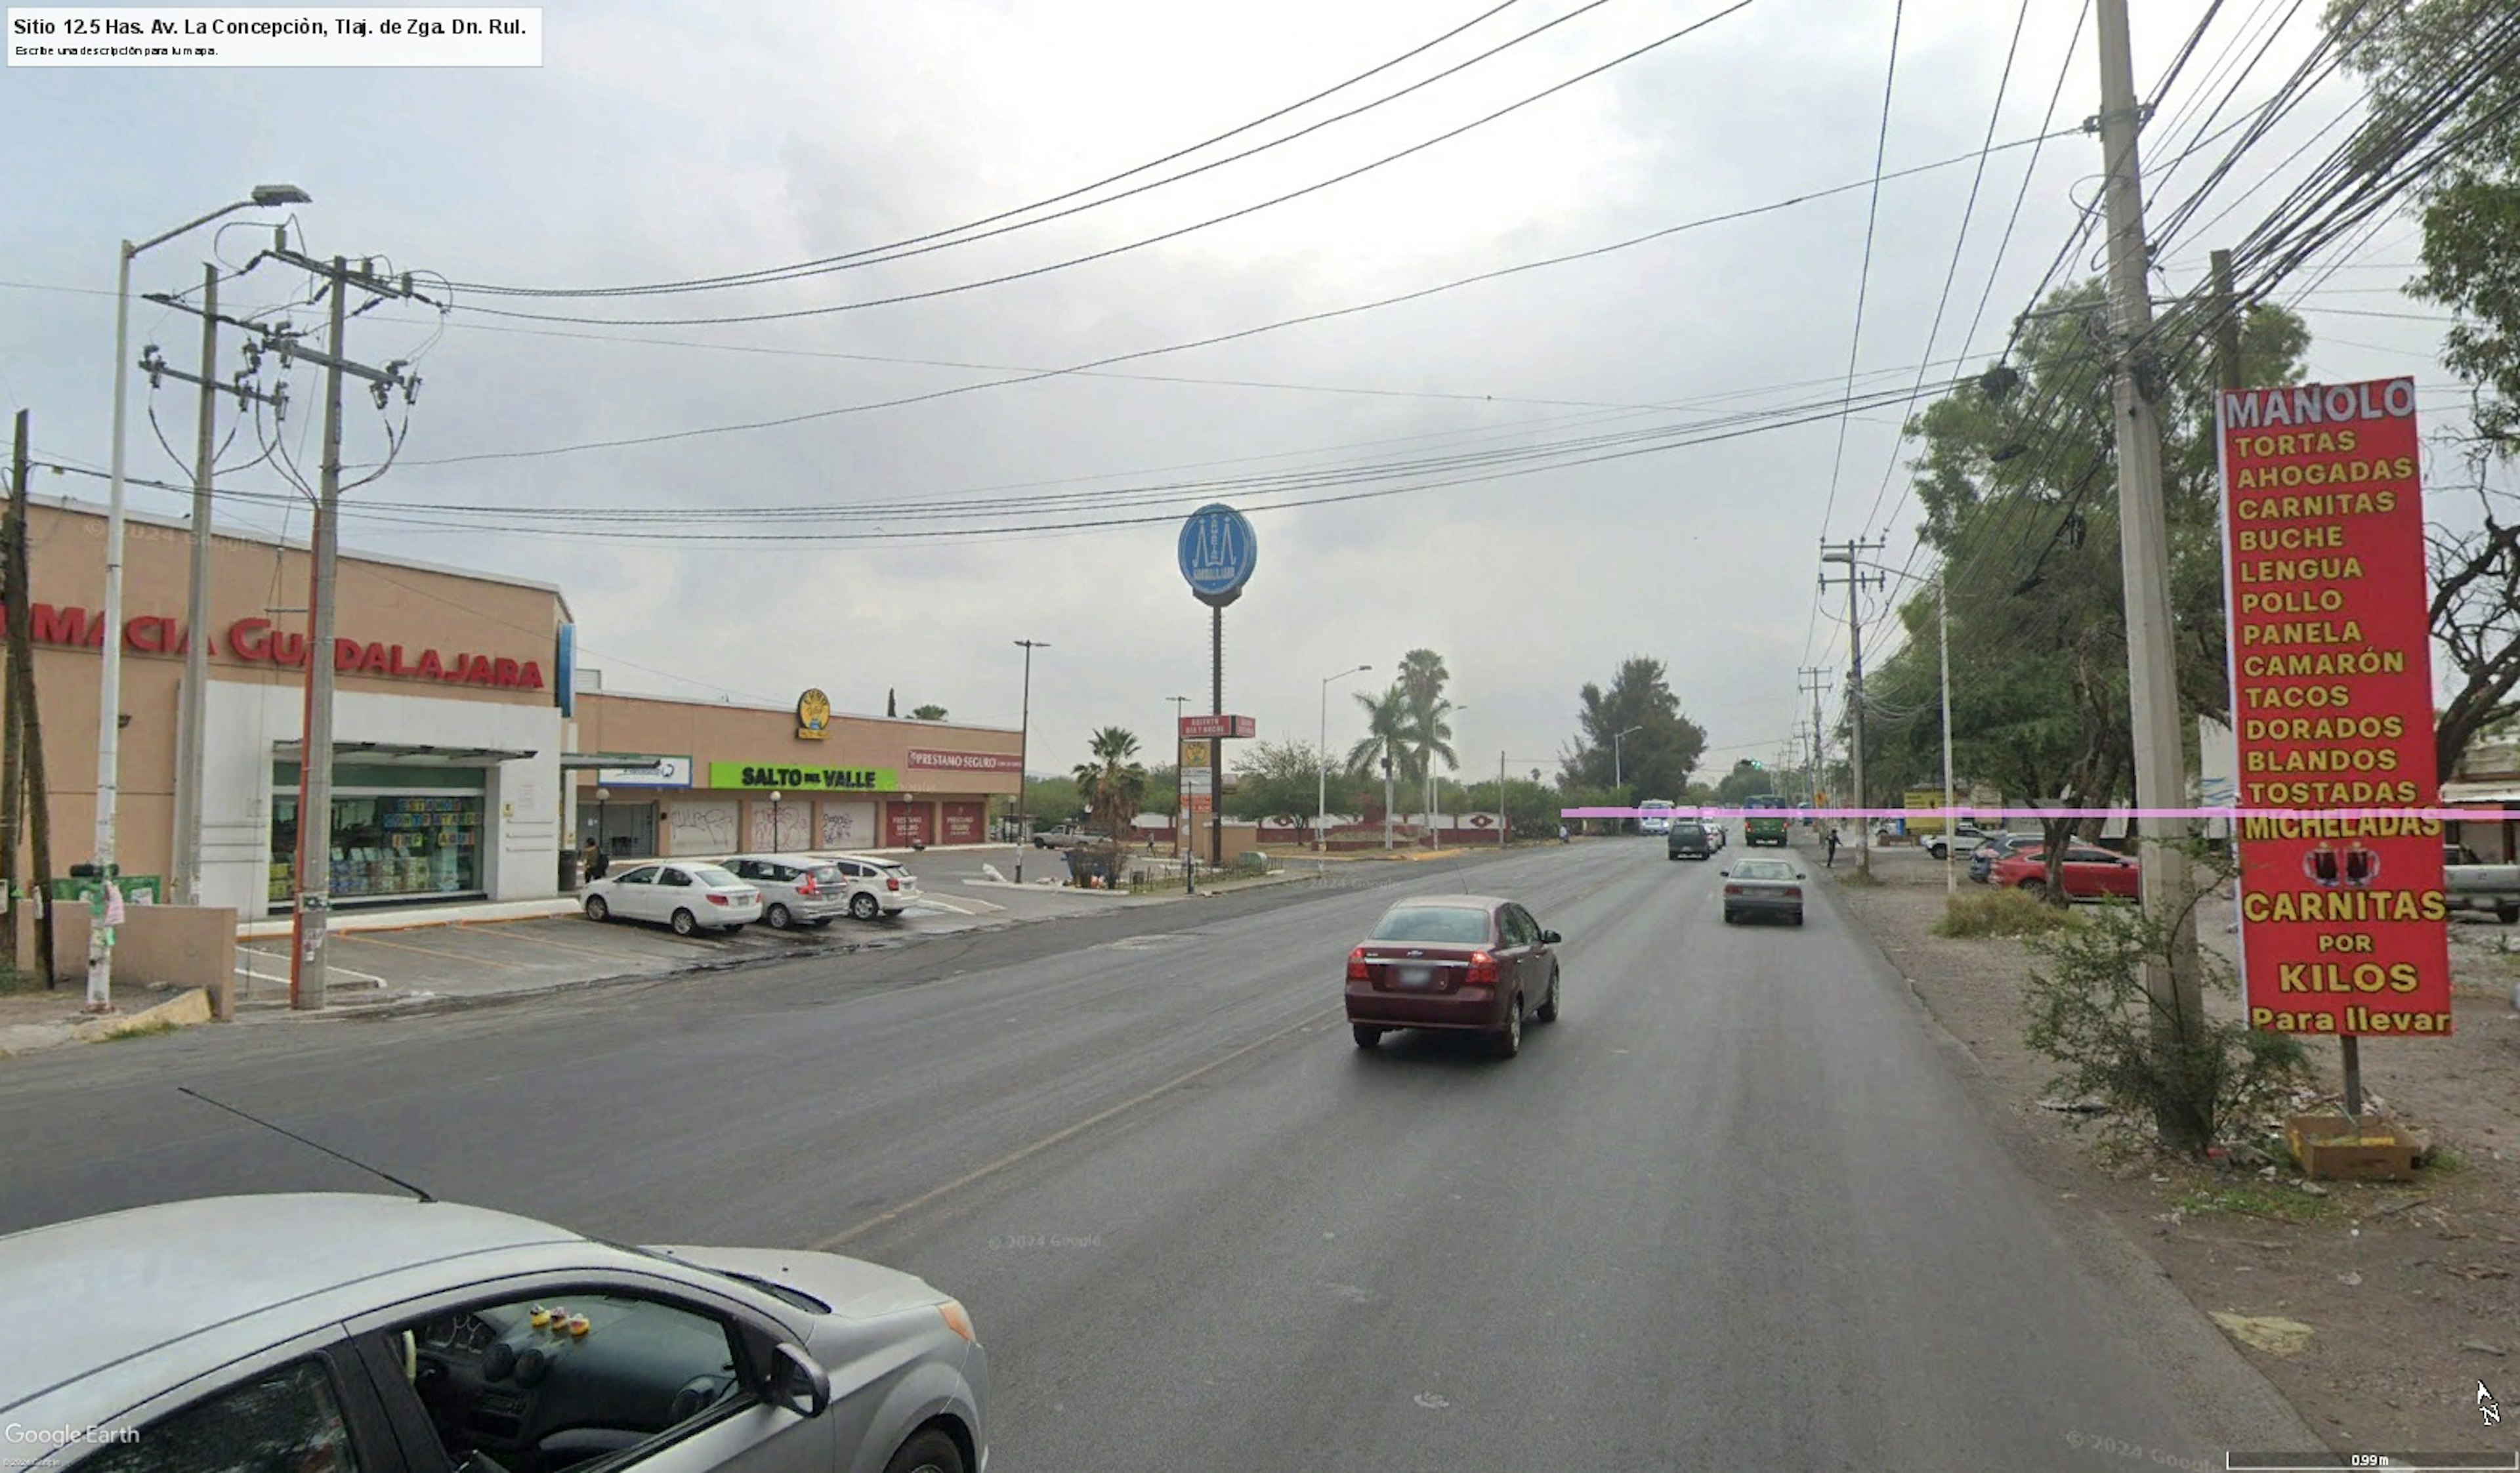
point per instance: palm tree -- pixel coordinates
(1111, 785)
(1422, 676)
(1385, 745)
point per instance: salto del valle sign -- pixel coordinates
(254, 641)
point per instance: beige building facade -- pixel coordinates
(723, 778)
(448, 735)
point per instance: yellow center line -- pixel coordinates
(1047, 1141)
(370, 940)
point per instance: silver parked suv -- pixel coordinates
(876, 886)
(796, 890)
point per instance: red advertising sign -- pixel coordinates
(2344, 928)
(1219, 727)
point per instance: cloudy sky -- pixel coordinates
(869, 545)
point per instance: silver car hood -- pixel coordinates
(853, 1287)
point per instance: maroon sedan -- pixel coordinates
(1469, 963)
(2089, 873)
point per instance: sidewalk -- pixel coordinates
(433, 959)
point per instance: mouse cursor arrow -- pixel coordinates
(2486, 1407)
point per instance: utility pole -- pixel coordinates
(310, 922)
(2227, 325)
(1950, 824)
(1850, 553)
(1023, 757)
(2152, 681)
(191, 729)
(13, 767)
(25, 717)
(1814, 684)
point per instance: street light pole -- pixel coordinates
(774, 820)
(1023, 753)
(1322, 760)
(1618, 770)
(108, 703)
(1181, 795)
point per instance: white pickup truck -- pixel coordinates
(1965, 840)
(2473, 884)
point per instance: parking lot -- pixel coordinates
(962, 889)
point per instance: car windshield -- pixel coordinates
(711, 874)
(826, 874)
(1763, 869)
(1459, 924)
(1688, 830)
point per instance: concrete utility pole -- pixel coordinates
(2152, 677)
(1951, 825)
(310, 925)
(193, 712)
(1024, 756)
(2227, 325)
(1814, 684)
(1850, 553)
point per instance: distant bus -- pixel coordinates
(1766, 823)
(1653, 815)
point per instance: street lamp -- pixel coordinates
(108, 703)
(1181, 792)
(774, 820)
(1024, 751)
(1618, 773)
(603, 797)
(1322, 812)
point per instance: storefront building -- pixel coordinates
(714, 779)
(448, 732)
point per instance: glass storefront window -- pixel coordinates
(388, 846)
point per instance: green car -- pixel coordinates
(1762, 828)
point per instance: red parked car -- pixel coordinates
(1471, 963)
(2090, 874)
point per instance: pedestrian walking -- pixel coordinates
(1833, 847)
(596, 860)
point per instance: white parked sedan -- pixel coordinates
(689, 897)
(876, 886)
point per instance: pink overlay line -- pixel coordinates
(2478, 814)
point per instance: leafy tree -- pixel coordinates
(1280, 780)
(2018, 486)
(2469, 201)
(928, 713)
(2469, 204)
(1653, 762)
(1053, 800)
(1112, 786)
(1745, 781)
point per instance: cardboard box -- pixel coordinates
(2336, 1148)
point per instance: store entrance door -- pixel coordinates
(622, 830)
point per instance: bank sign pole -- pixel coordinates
(1218, 552)
(2344, 926)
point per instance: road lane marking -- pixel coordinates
(1023, 1152)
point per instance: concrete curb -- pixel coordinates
(185, 1009)
(418, 1004)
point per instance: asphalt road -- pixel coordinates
(1735, 1210)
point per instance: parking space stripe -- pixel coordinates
(370, 940)
(545, 941)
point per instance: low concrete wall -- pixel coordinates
(172, 945)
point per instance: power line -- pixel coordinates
(1863, 273)
(1125, 248)
(1304, 319)
(888, 250)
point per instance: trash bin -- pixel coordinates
(1255, 863)
(567, 870)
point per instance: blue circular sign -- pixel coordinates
(1218, 552)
